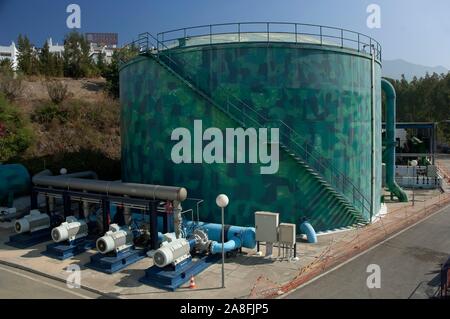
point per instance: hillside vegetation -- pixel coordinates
(62, 110)
(425, 99)
(78, 132)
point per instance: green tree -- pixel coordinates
(15, 135)
(46, 61)
(28, 61)
(111, 73)
(77, 61)
(58, 65)
(101, 63)
(425, 99)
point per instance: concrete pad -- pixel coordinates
(247, 275)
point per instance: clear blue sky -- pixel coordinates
(415, 30)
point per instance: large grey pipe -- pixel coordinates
(85, 174)
(116, 188)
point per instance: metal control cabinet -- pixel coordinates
(286, 234)
(266, 225)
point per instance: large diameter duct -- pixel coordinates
(116, 239)
(70, 230)
(115, 188)
(307, 229)
(392, 185)
(235, 236)
(33, 222)
(86, 174)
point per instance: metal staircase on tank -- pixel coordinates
(334, 186)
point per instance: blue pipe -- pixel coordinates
(232, 244)
(237, 236)
(307, 229)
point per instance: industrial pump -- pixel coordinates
(70, 230)
(172, 251)
(33, 222)
(116, 239)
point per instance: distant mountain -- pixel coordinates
(395, 68)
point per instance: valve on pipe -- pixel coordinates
(33, 222)
(70, 230)
(116, 239)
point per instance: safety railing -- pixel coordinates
(249, 117)
(269, 32)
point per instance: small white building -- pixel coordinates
(11, 53)
(55, 48)
(96, 50)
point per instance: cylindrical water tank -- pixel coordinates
(71, 229)
(170, 252)
(14, 179)
(33, 222)
(114, 239)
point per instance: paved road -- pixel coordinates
(409, 265)
(16, 283)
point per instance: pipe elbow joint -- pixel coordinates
(230, 245)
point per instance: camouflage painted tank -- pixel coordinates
(322, 92)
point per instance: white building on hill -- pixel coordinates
(11, 53)
(105, 43)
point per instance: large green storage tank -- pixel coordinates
(14, 181)
(319, 86)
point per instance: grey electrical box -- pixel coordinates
(266, 225)
(286, 234)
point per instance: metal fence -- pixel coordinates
(269, 32)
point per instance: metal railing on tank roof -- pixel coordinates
(269, 32)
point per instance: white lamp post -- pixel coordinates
(222, 201)
(414, 164)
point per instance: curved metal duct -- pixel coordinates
(393, 187)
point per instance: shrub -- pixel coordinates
(10, 86)
(15, 135)
(47, 113)
(57, 91)
(6, 67)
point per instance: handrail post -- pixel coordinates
(296, 41)
(358, 43)
(239, 32)
(342, 38)
(268, 36)
(321, 39)
(210, 34)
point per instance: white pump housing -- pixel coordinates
(116, 239)
(172, 251)
(70, 230)
(33, 222)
